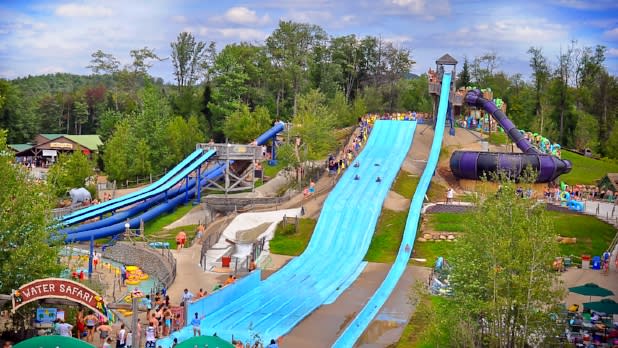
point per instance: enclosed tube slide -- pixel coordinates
(174, 197)
(475, 164)
(358, 325)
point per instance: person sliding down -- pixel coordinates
(356, 177)
(379, 179)
(356, 165)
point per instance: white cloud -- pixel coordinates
(77, 10)
(313, 17)
(398, 40)
(427, 10)
(514, 30)
(230, 34)
(611, 34)
(612, 52)
(179, 19)
(244, 16)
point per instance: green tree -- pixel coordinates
(190, 59)
(540, 73)
(464, 79)
(314, 124)
(586, 132)
(70, 171)
(141, 164)
(119, 152)
(504, 287)
(244, 126)
(25, 250)
(182, 136)
(611, 147)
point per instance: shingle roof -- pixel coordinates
(446, 59)
(91, 142)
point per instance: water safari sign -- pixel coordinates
(58, 288)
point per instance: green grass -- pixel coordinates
(447, 222)
(170, 235)
(593, 235)
(271, 171)
(415, 334)
(431, 251)
(387, 238)
(157, 224)
(289, 241)
(498, 138)
(405, 184)
(587, 171)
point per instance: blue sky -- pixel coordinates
(39, 37)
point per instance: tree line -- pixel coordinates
(572, 98)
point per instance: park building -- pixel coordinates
(45, 148)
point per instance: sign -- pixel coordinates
(58, 288)
(46, 315)
(50, 153)
(57, 145)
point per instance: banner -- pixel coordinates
(58, 288)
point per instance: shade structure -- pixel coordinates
(53, 342)
(203, 341)
(606, 306)
(591, 289)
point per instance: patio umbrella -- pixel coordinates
(591, 289)
(203, 341)
(606, 306)
(53, 342)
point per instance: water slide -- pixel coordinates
(358, 325)
(333, 259)
(151, 187)
(163, 201)
(180, 176)
(476, 164)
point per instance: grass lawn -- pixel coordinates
(387, 238)
(288, 241)
(170, 235)
(271, 171)
(405, 184)
(415, 334)
(587, 170)
(593, 235)
(157, 224)
(447, 222)
(498, 138)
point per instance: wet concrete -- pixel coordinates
(324, 325)
(387, 327)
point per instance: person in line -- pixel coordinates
(104, 331)
(108, 343)
(154, 323)
(148, 304)
(167, 321)
(195, 323)
(186, 297)
(200, 293)
(273, 344)
(65, 329)
(129, 340)
(151, 337)
(91, 322)
(121, 337)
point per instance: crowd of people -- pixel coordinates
(580, 193)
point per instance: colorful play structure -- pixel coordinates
(476, 165)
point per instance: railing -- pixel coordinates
(234, 151)
(114, 185)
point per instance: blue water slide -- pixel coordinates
(168, 206)
(148, 188)
(166, 186)
(115, 224)
(358, 325)
(334, 254)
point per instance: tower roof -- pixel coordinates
(446, 59)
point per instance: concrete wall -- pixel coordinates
(157, 263)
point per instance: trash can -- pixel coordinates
(585, 261)
(225, 261)
(596, 262)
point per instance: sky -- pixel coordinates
(40, 37)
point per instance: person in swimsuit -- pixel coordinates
(91, 322)
(104, 331)
(167, 321)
